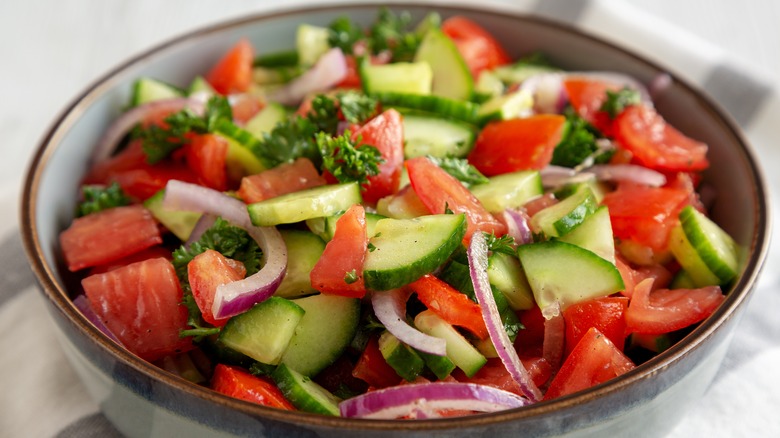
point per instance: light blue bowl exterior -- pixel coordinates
(142, 400)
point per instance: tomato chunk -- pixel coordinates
(594, 360)
(517, 144)
(206, 155)
(141, 304)
(284, 178)
(233, 72)
(587, 96)
(373, 369)
(108, 235)
(656, 144)
(237, 383)
(495, 374)
(666, 310)
(606, 314)
(339, 270)
(450, 304)
(206, 272)
(477, 46)
(386, 133)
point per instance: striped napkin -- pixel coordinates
(42, 395)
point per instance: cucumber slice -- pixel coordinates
(489, 85)
(682, 280)
(264, 331)
(285, 58)
(402, 358)
(324, 227)
(566, 273)
(406, 249)
(513, 105)
(240, 160)
(440, 366)
(200, 85)
(179, 222)
(303, 393)
(446, 108)
(404, 204)
(274, 77)
(595, 234)
(305, 204)
(459, 350)
(147, 90)
(561, 218)
(451, 75)
(517, 73)
(310, 43)
(506, 275)
(303, 251)
(713, 247)
(510, 190)
(436, 136)
(414, 78)
(324, 332)
(266, 119)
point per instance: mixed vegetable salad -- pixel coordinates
(396, 221)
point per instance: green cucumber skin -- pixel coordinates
(304, 393)
(559, 219)
(306, 204)
(714, 246)
(440, 366)
(459, 350)
(426, 134)
(386, 278)
(401, 357)
(451, 75)
(323, 334)
(303, 251)
(447, 108)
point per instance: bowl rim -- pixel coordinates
(58, 295)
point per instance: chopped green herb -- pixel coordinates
(578, 143)
(356, 107)
(504, 244)
(344, 33)
(460, 169)
(347, 161)
(289, 140)
(371, 247)
(99, 198)
(617, 101)
(351, 277)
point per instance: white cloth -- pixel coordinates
(50, 51)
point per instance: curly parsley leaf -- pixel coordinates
(460, 169)
(99, 198)
(344, 33)
(347, 160)
(504, 244)
(357, 107)
(579, 143)
(617, 101)
(391, 32)
(324, 114)
(289, 140)
(160, 141)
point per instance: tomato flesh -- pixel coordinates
(450, 305)
(517, 144)
(206, 272)
(606, 314)
(339, 271)
(666, 310)
(108, 235)
(141, 304)
(373, 369)
(479, 49)
(282, 179)
(237, 383)
(386, 133)
(233, 72)
(206, 155)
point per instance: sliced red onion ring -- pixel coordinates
(477, 254)
(554, 336)
(400, 401)
(548, 92)
(518, 227)
(328, 71)
(233, 298)
(389, 307)
(82, 303)
(122, 125)
(555, 176)
(628, 172)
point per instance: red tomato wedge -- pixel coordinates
(656, 144)
(284, 178)
(666, 310)
(373, 369)
(339, 271)
(450, 304)
(141, 304)
(477, 46)
(148, 253)
(494, 374)
(594, 360)
(237, 383)
(438, 190)
(244, 107)
(587, 96)
(643, 214)
(108, 235)
(517, 144)
(386, 133)
(606, 314)
(206, 155)
(233, 72)
(206, 272)
(530, 340)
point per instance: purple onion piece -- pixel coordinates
(389, 307)
(82, 303)
(329, 70)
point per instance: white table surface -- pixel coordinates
(51, 50)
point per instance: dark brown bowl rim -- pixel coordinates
(58, 296)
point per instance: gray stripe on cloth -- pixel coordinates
(568, 11)
(741, 95)
(92, 426)
(15, 274)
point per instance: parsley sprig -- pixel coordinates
(460, 169)
(348, 160)
(99, 198)
(617, 101)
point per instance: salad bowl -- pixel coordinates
(143, 400)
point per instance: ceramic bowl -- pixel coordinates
(142, 400)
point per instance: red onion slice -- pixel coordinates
(82, 303)
(389, 307)
(124, 123)
(404, 400)
(628, 172)
(329, 70)
(517, 222)
(233, 298)
(477, 254)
